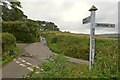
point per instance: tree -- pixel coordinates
(12, 12)
(24, 31)
(47, 26)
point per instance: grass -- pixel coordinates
(105, 65)
(7, 58)
(77, 46)
(56, 66)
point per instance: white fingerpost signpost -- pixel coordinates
(92, 39)
(91, 20)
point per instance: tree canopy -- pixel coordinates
(11, 11)
(17, 23)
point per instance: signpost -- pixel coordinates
(105, 25)
(91, 20)
(86, 20)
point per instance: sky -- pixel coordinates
(68, 14)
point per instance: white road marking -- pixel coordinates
(28, 63)
(23, 60)
(22, 65)
(19, 58)
(29, 68)
(17, 62)
(14, 59)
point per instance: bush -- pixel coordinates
(8, 40)
(9, 58)
(24, 31)
(57, 66)
(8, 43)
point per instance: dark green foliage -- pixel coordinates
(47, 26)
(24, 31)
(105, 66)
(8, 58)
(56, 66)
(14, 13)
(8, 40)
(15, 4)
(8, 44)
(119, 55)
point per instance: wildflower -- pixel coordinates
(51, 59)
(42, 69)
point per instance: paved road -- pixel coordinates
(22, 65)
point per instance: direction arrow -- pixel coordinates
(105, 25)
(86, 20)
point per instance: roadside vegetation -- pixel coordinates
(56, 66)
(17, 28)
(9, 49)
(77, 46)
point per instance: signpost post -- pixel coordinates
(91, 20)
(92, 39)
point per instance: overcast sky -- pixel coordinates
(68, 14)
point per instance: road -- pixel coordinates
(21, 65)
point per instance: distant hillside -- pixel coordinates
(109, 35)
(104, 35)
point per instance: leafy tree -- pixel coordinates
(26, 31)
(12, 12)
(44, 25)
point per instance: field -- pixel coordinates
(77, 46)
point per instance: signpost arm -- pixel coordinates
(92, 39)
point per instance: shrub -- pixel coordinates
(24, 31)
(103, 67)
(8, 43)
(57, 66)
(9, 58)
(8, 40)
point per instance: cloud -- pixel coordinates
(68, 14)
(74, 13)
